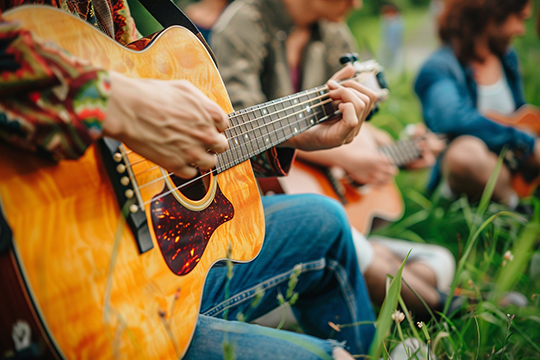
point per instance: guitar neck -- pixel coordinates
(261, 127)
(258, 128)
(402, 152)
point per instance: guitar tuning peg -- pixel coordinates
(347, 58)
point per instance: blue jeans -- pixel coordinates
(307, 235)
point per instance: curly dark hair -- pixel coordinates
(463, 21)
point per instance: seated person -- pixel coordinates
(474, 75)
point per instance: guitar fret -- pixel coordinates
(275, 118)
(261, 127)
(253, 129)
(271, 126)
(389, 151)
(247, 132)
(402, 152)
(399, 158)
(412, 150)
(403, 157)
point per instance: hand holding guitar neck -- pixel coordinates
(429, 145)
(354, 102)
(171, 123)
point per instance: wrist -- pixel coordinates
(120, 107)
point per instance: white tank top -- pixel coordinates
(496, 98)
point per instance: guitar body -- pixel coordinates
(89, 289)
(363, 204)
(526, 118)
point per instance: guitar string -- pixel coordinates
(406, 144)
(398, 157)
(320, 104)
(324, 88)
(251, 141)
(324, 102)
(402, 152)
(252, 110)
(237, 114)
(209, 173)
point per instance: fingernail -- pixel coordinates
(333, 83)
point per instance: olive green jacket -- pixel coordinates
(249, 43)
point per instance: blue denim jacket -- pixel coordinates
(448, 95)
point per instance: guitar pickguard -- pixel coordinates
(182, 233)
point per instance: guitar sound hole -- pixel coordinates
(194, 189)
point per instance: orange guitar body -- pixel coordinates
(526, 118)
(363, 204)
(94, 294)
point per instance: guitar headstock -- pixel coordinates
(369, 73)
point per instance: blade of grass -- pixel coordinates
(384, 321)
(470, 244)
(522, 251)
(490, 186)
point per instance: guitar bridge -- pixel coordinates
(127, 195)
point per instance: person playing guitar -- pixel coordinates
(472, 80)
(58, 105)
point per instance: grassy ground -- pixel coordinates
(478, 234)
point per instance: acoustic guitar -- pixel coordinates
(526, 118)
(363, 203)
(106, 257)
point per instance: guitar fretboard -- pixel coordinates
(402, 152)
(259, 128)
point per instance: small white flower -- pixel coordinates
(419, 324)
(398, 316)
(508, 256)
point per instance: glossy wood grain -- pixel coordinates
(97, 296)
